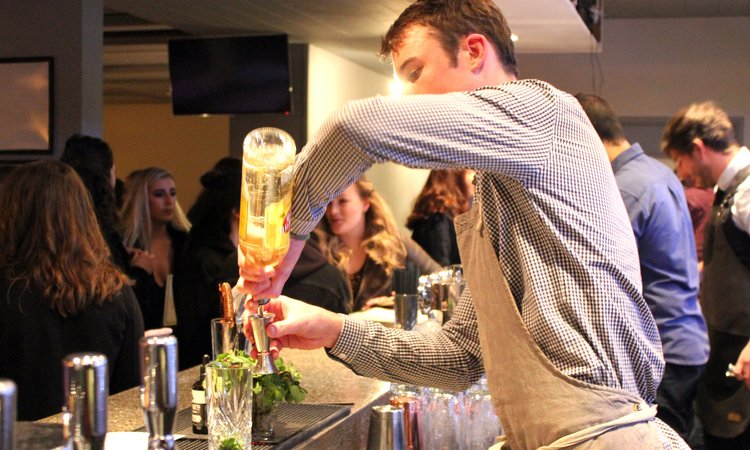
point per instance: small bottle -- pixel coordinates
(199, 401)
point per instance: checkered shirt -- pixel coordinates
(556, 221)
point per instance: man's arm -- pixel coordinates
(448, 359)
(485, 130)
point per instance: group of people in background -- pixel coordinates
(171, 269)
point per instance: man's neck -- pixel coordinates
(614, 149)
(721, 160)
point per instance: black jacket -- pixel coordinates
(34, 339)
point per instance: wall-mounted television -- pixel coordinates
(230, 75)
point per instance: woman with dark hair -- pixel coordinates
(445, 195)
(92, 159)
(60, 292)
(210, 259)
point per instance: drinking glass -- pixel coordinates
(441, 419)
(225, 337)
(480, 425)
(229, 398)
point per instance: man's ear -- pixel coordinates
(698, 148)
(476, 47)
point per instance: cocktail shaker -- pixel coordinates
(7, 413)
(387, 430)
(86, 391)
(159, 389)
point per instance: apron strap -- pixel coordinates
(643, 413)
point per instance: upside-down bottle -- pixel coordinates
(267, 163)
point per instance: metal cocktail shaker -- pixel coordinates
(86, 391)
(7, 413)
(387, 430)
(159, 389)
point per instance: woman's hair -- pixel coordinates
(213, 208)
(50, 238)
(382, 242)
(445, 192)
(135, 214)
(92, 159)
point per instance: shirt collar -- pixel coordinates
(739, 162)
(623, 158)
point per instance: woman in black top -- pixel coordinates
(154, 230)
(445, 195)
(59, 291)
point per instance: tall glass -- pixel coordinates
(229, 399)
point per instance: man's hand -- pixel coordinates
(267, 281)
(742, 366)
(296, 325)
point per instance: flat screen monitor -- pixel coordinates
(230, 75)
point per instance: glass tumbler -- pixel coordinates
(229, 399)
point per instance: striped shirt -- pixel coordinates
(556, 221)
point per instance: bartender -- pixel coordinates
(553, 310)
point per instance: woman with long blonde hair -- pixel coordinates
(60, 292)
(154, 230)
(360, 237)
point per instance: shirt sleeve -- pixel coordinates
(741, 206)
(449, 359)
(505, 129)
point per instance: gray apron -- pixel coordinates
(539, 406)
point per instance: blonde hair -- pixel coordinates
(50, 238)
(135, 214)
(382, 243)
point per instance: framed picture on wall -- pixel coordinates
(26, 105)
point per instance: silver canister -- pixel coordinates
(406, 307)
(387, 431)
(7, 413)
(86, 392)
(159, 389)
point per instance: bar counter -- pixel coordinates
(326, 381)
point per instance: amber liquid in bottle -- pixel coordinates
(267, 164)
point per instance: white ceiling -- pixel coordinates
(136, 31)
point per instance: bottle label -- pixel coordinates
(198, 410)
(199, 397)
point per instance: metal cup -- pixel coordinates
(86, 392)
(387, 430)
(159, 389)
(406, 306)
(7, 413)
(264, 362)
